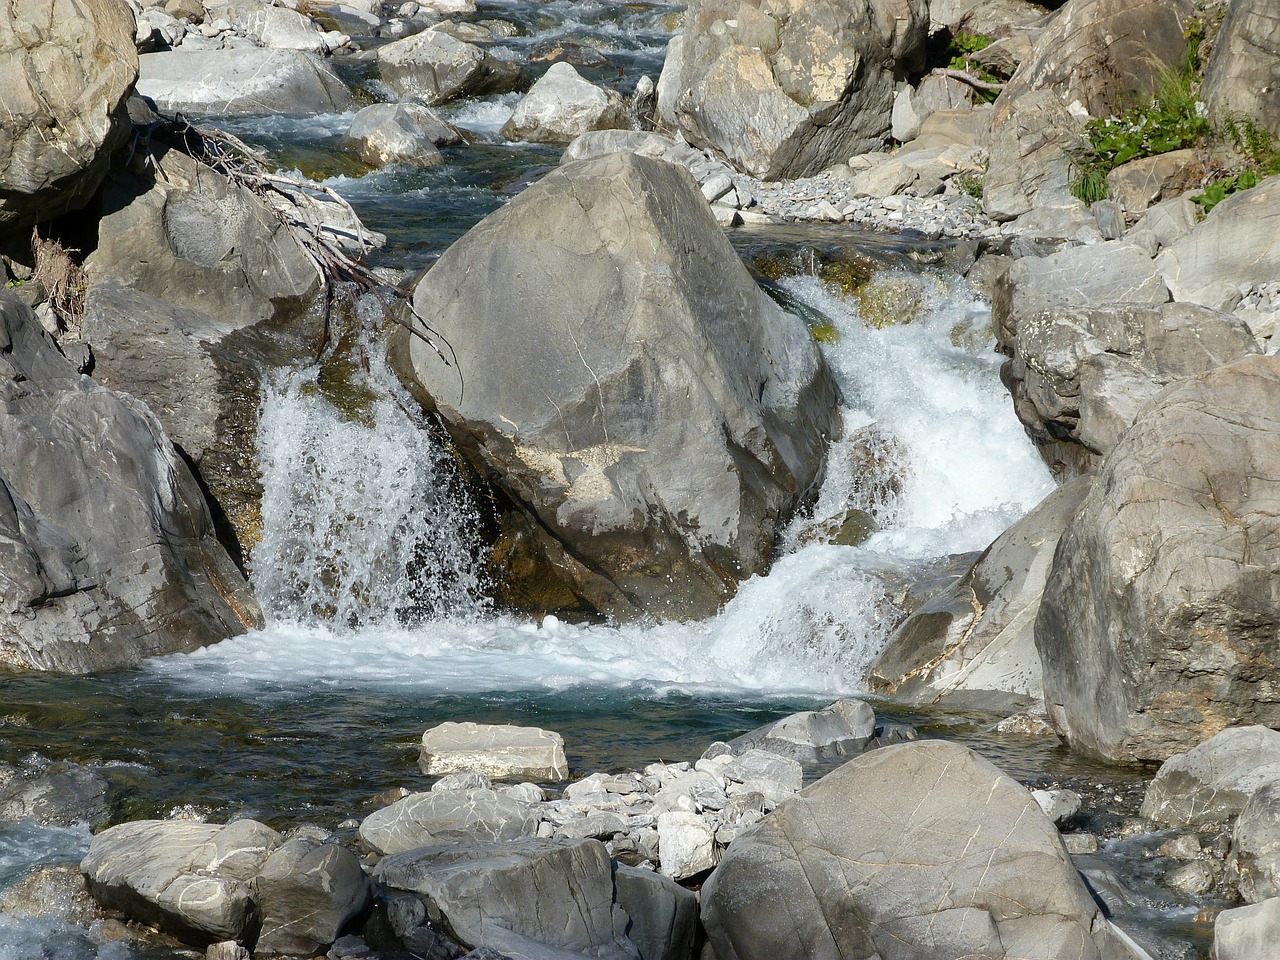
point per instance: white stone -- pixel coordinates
(686, 845)
(500, 751)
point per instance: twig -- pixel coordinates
(968, 78)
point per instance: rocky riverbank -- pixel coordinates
(642, 422)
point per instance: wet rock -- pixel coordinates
(134, 570)
(839, 729)
(974, 643)
(1025, 725)
(421, 819)
(561, 106)
(974, 867)
(1078, 844)
(502, 752)
(61, 794)
(53, 891)
(435, 68)
(1247, 933)
(189, 879)
(581, 419)
(1175, 642)
(787, 89)
(1255, 842)
(1211, 782)
(241, 83)
(1195, 878)
(66, 68)
(226, 950)
(306, 892)
(400, 133)
(1244, 70)
(555, 893)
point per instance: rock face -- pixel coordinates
(1233, 246)
(1158, 626)
(422, 819)
(652, 417)
(562, 106)
(194, 288)
(558, 893)
(66, 69)
(241, 83)
(1210, 783)
(787, 88)
(958, 860)
(500, 751)
(1244, 68)
(1080, 376)
(190, 879)
(135, 569)
(1092, 57)
(975, 643)
(435, 67)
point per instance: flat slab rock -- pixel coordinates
(424, 819)
(499, 751)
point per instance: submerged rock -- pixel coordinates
(66, 69)
(1158, 625)
(957, 860)
(61, 794)
(111, 552)
(652, 418)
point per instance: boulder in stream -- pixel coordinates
(500, 751)
(920, 850)
(66, 68)
(400, 133)
(435, 67)
(243, 82)
(1210, 783)
(110, 551)
(60, 794)
(1157, 628)
(423, 819)
(651, 418)
(561, 105)
(306, 891)
(839, 729)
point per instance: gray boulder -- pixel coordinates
(1140, 183)
(1079, 377)
(1244, 68)
(839, 729)
(400, 133)
(57, 890)
(241, 83)
(788, 88)
(435, 67)
(191, 880)
(1092, 58)
(653, 417)
(953, 859)
(1255, 843)
(973, 645)
(1232, 247)
(597, 143)
(1211, 783)
(110, 554)
(62, 794)
(499, 751)
(277, 27)
(1157, 627)
(987, 17)
(306, 892)
(561, 106)
(1247, 933)
(66, 69)
(422, 819)
(663, 915)
(194, 288)
(554, 893)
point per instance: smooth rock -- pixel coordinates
(400, 133)
(1243, 73)
(597, 143)
(686, 844)
(423, 819)
(1247, 933)
(239, 83)
(435, 68)
(1211, 783)
(1140, 183)
(66, 69)
(1173, 548)
(839, 729)
(561, 106)
(499, 751)
(636, 480)
(275, 27)
(306, 892)
(1058, 805)
(663, 914)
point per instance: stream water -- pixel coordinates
(378, 622)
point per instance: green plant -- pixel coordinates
(972, 184)
(961, 50)
(1257, 154)
(1090, 185)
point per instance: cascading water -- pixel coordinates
(364, 523)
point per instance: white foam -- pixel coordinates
(484, 117)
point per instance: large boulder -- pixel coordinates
(786, 88)
(400, 133)
(190, 879)
(974, 644)
(1158, 626)
(110, 553)
(952, 859)
(1234, 246)
(66, 69)
(842, 728)
(1210, 784)
(652, 417)
(276, 27)
(1093, 58)
(435, 67)
(194, 288)
(241, 83)
(1255, 843)
(500, 751)
(423, 819)
(556, 893)
(306, 892)
(562, 106)
(1247, 933)
(1079, 376)
(1244, 68)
